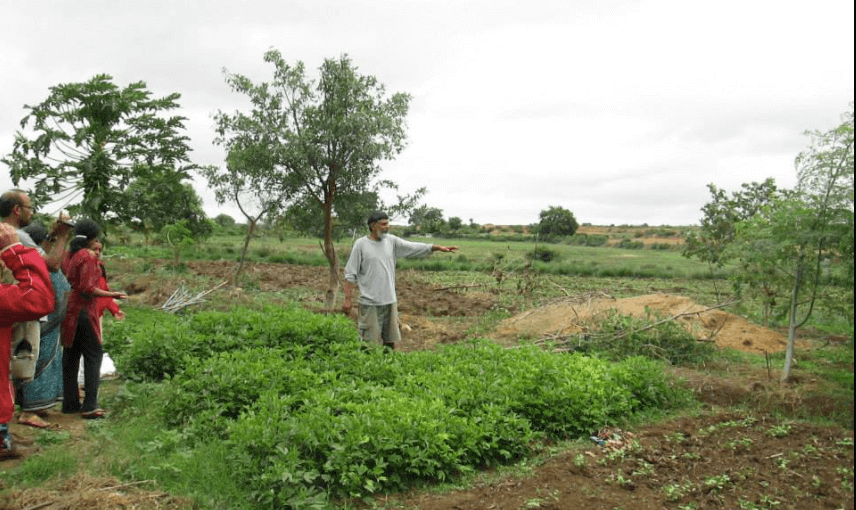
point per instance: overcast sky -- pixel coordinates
(621, 111)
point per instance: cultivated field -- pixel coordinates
(745, 441)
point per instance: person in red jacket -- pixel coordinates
(80, 331)
(32, 297)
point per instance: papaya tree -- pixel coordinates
(89, 141)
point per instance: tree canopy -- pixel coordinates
(429, 220)
(557, 221)
(793, 243)
(323, 141)
(91, 141)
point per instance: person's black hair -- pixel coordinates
(9, 200)
(84, 231)
(376, 216)
(37, 231)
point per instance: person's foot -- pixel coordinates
(94, 414)
(12, 452)
(7, 449)
(33, 420)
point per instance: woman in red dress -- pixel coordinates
(81, 331)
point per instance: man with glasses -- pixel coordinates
(17, 210)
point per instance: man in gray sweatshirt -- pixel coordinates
(371, 266)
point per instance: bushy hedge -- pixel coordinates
(313, 414)
(166, 343)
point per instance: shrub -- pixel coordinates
(312, 413)
(543, 254)
(627, 244)
(161, 349)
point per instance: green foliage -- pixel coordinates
(313, 145)
(621, 336)
(588, 240)
(95, 139)
(312, 413)
(557, 221)
(721, 216)
(628, 244)
(165, 346)
(427, 220)
(158, 198)
(543, 254)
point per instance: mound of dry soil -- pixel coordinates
(573, 316)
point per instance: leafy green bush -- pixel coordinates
(312, 413)
(627, 244)
(158, 349)
(161, 348)
(543, 254)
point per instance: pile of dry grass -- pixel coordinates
(84, 492)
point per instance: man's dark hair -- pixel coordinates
(9, 200)
(37, 231)
(376, 216)
(84, 231)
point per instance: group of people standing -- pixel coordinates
(59, 280)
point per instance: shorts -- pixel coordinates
(379, 324)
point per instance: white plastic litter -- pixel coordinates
(108, 369)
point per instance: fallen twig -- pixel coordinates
(673, 317)
(182, 299)
(140, 482)
(40, 505)
(456, 287)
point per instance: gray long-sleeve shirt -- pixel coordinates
(372, 266)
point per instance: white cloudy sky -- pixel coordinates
(620, 110)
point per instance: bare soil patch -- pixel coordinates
(718, 461)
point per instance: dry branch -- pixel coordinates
(675, 317)
(456, 287)
(181, 298)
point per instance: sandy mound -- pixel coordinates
(577, 315)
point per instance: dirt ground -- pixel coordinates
(717, 459)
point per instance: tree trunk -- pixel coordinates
(792, 318)
(330, 253)
(250, 230)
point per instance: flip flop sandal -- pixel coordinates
(94, 415)
(38, 423)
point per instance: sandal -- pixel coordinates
(94, 415)
(37, 422)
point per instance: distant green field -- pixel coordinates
(474, 255)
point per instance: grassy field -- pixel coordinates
(474, 255)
